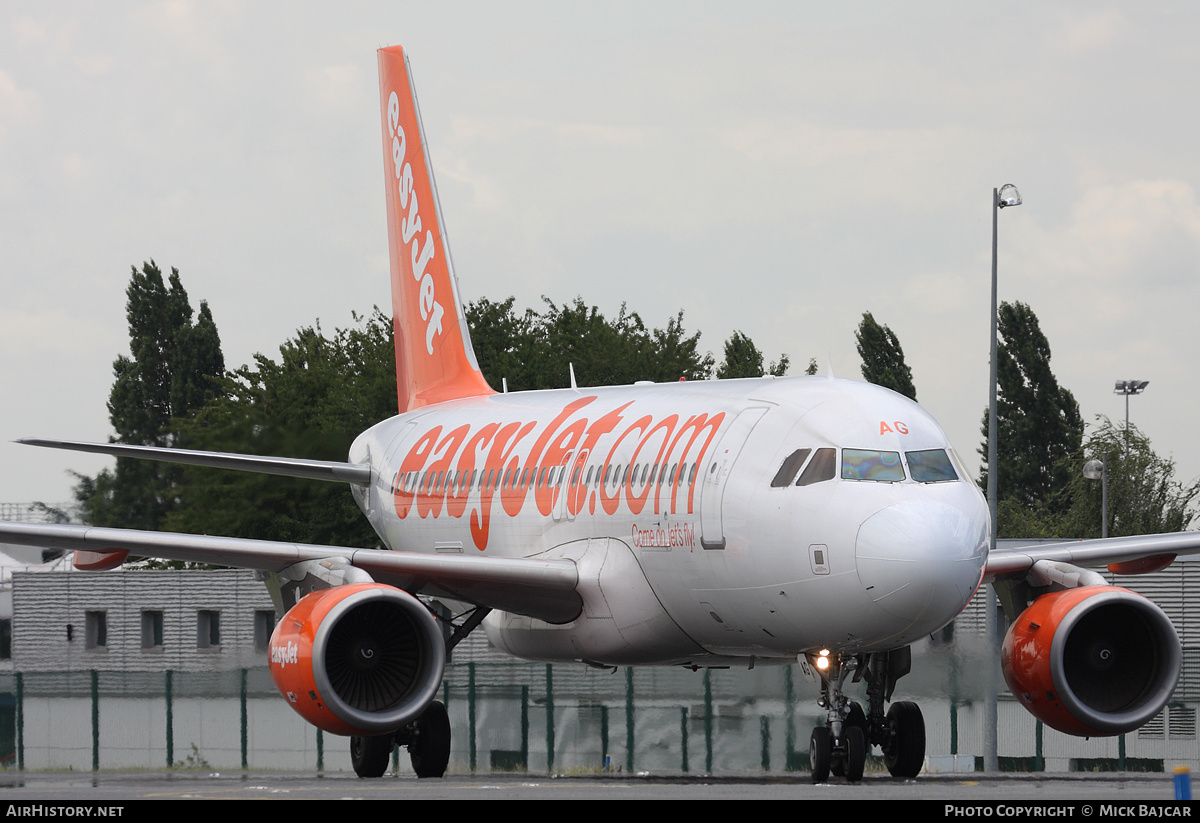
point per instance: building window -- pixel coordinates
(264, 625)
(96, 630)
(5, 638)
(152, 630)
(208, 629)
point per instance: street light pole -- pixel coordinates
(1098, 470)
(1006, 195)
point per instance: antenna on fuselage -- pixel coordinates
(571, 368)
(504, 384)
(829, 359)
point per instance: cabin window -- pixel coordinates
(822, 467)
(930, 466)
(790, 468)
(873, 465)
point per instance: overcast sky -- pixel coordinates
(775, 168)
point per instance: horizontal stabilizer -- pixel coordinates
(286, 466)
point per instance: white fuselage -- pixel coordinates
(679, 504)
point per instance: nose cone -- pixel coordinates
(921, 561)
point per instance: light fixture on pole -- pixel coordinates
(1128, 387)
(1003, 197)
(1098, 470)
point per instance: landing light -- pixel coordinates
(823, 660)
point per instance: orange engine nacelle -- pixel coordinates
(1092, 661)
(362, 659)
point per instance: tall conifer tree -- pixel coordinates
(170, 373)
(883, 359)
(1038, 420)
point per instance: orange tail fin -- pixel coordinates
(434, 358)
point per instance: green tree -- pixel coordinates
(532, 350)
(503, 340)
(312, 402)
(1143, 495)
(883, 359)
(743, 359)
(172, 370)
(1038, 420)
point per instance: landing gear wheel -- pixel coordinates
(820, 750)
(429, 746)
(370, 755)
(858, 717)
(905, 752)
(856, 754)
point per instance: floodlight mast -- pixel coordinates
(1128, 387)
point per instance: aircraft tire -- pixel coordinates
(820, 750)
(906, 754)
(370, 755)
(429, 750)
(856, 754)
(856, 718)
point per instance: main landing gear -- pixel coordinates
(427, 739)
(840, 746)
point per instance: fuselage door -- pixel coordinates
(562, 484)
(716, 473)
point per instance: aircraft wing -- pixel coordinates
(287, 466)
(1013, 562)
(544, 589)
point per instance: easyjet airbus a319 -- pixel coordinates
(811, 521)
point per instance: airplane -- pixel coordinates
(805, 521)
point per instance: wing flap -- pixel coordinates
(544, 589)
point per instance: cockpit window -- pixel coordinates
(868, 464)
(822, 467)
(791, 465)
(930, 466)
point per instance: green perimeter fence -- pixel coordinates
(522, 716)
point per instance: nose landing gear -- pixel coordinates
(840, 747)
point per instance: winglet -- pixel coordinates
(435, 361)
